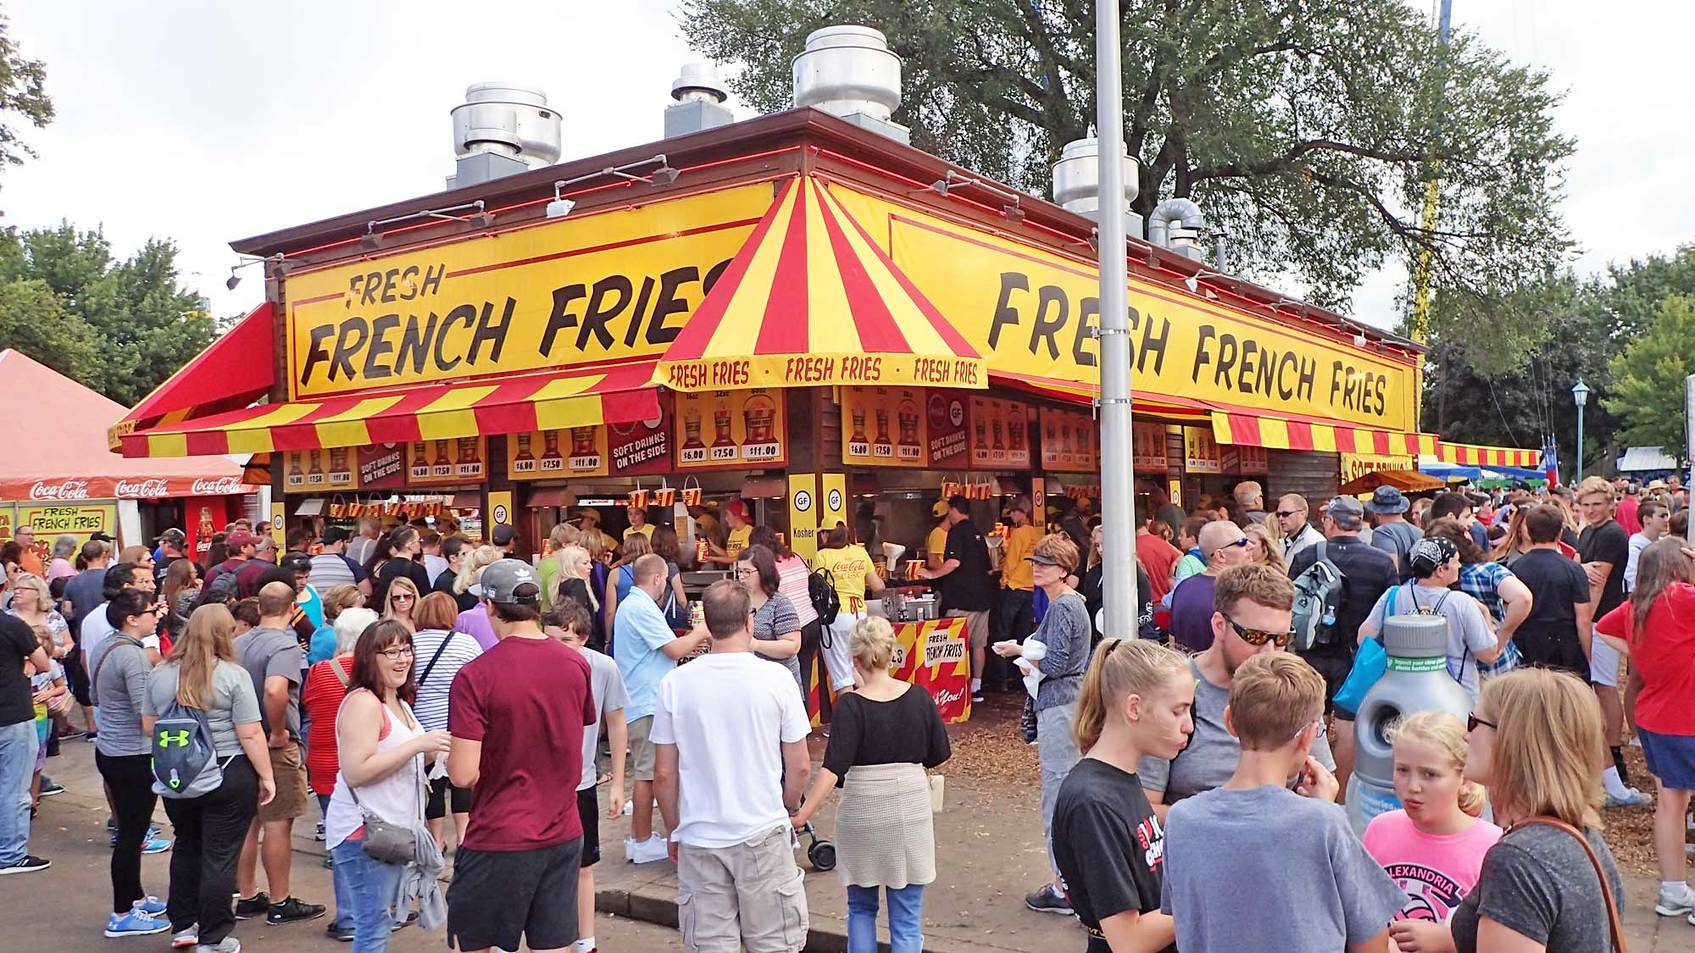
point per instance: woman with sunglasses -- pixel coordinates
(401, 602)
(396, 557)
(1059, 650)
(383, 750)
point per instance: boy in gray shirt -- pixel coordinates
(1252, 865)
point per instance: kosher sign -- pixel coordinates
(588, 289)
(883, 426)
(1035, 313)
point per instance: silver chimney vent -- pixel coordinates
(699, 106)
(1077, 182)
(848, 71)
(1177, 224)
(502, 129)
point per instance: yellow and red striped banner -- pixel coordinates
(549, 401)
(1278, 433)
(1475, 455)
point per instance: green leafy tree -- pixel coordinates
(23, 95)
(1304, 129)
(1647, 392)
(140, 325)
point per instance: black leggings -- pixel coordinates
(130, 779)
(811, 639)
(210, 830)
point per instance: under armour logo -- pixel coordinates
(178, 738)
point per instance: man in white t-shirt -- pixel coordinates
(731, 763)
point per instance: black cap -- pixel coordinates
(336, 534)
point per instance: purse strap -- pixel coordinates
(442, 647)
(1614, 925)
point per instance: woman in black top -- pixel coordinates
(396, 555)
(883, 736)
(1107, 840)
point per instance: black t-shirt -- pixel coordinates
(1606, 543)
(968, 587)
(17, 643)
(1109, 845)
(1548, 636)
(1367, 572)
(389, 572)
(906, 730)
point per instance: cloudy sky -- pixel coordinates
(209, 121)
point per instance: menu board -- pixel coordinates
(1147, 447)
(999, 434)
(949, 437)
(736, 428)
(549, 454)
(459, 460)
(1200, 451)
(1245, 461)
(1068, 441)
(883, 426)
(641, 447)
(382, 466)
(319, 471)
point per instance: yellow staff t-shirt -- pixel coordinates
(1016, 571)
(848, 567)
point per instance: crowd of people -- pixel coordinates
(423, 691)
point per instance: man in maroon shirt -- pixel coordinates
(515, 874)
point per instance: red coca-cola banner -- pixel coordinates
(108, 488)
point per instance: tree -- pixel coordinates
(1648, 380)
(126, 325)
(23, 94)
(1304, 129)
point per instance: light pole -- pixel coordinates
(1580, 393)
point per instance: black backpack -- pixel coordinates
(821, 589)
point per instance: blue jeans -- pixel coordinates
(369, 887)
(906, 919)
(18, 746)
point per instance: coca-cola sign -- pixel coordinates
(142, 488)
(222, 486)
(63, 490)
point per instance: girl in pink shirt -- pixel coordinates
(1433, 846)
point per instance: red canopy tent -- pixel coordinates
(54, 432)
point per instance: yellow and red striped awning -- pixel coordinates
(546, 401)
(1474, 455)
(204, 385)
(1280, 433)
(811, 300)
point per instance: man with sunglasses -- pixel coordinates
(1223, 544)
(1293, 522)
(1251, 616)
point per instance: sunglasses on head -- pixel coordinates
(1260, 636)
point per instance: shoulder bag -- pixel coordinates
(385, 842)
(1615, 926)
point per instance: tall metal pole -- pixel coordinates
(1118, 490)
(1580, 443)
(1689, 434)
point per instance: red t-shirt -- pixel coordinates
(1157, 556)
(320, 699)
(528, 700)
(1663, 654)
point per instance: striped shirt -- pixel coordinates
(430, 706)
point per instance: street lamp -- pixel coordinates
(1580, 394)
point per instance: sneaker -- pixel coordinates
(341, 933)
(978, 698)
(1048, 900)
(1677, 903)
(228, 944)
(292, 910)
(187, 937)
(134, 923)
(152, 906)
(646, 852)
(50, 787)
(246, 908)
(29, 865)
(318, 835)
(155, 845)
(1630, 798)
(90, 735)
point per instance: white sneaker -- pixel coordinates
(1677, 903)
(646, 852)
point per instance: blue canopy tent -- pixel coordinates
(1453, 471)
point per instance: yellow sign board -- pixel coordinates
(730, 428)
(803, 515)
(446, 462)
(81, 520)
(1200, 451)
(832, 507)
(552, 454)
(1033, 313)
(591, 289)
(884, 426)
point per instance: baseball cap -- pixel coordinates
(239, 539)
(940, 508)
(174, 536)
(1346, 510)
(508, 582)
(504, 534)
(1387, 500)
(1430, 553)
(336, 534)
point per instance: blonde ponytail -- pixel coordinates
(1120, 668)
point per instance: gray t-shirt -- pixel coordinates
(118, 695)
(232, 703)
(1537, 881)
(1067, 632)
(1337, 894)
(1212, 753)
(1468, 633)
(266, 652)
(607, 686)
(775, 618)
(1397, 539)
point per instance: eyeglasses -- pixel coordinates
(746, 571)
(397, 653)
(1472, 721)
(1259, 636)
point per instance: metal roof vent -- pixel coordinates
(699, 95)
(502, 129)
(1177, 224)
(1077, 182)
(849, 71)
